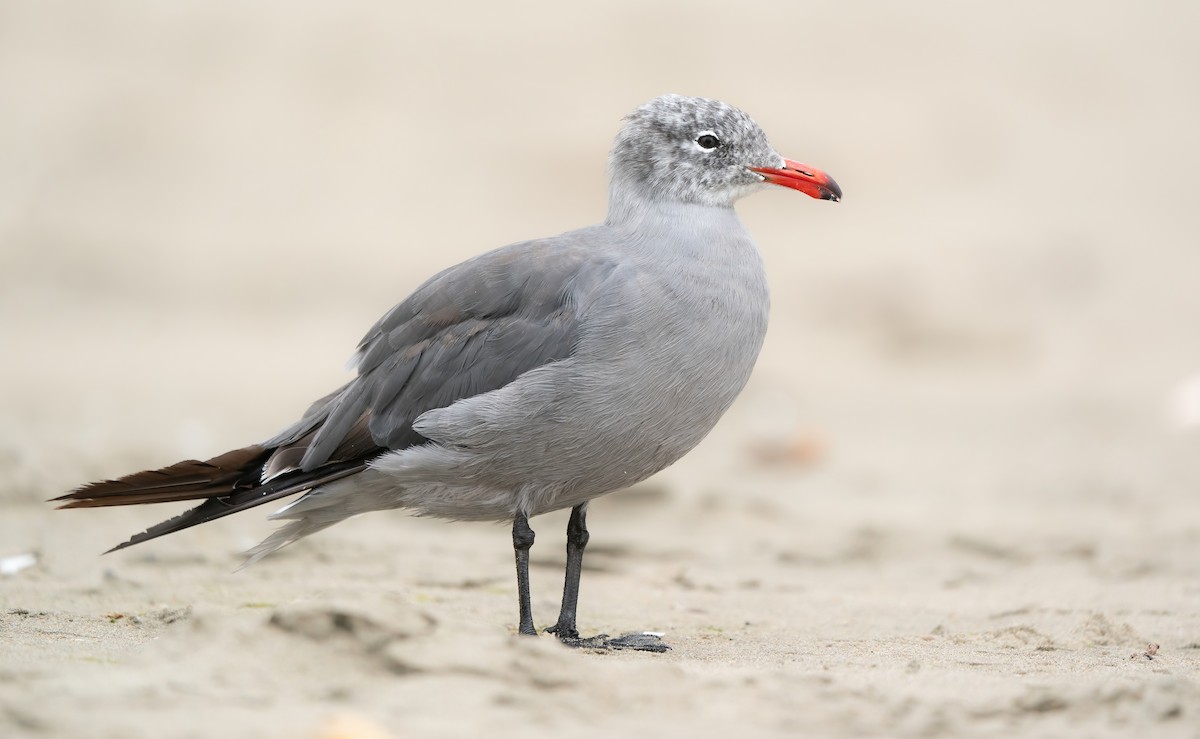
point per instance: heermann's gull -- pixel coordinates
(537, 376)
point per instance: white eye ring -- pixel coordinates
(707, 140)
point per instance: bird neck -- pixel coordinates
(630, 208)
(706, 232)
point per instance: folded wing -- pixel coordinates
(469, 330)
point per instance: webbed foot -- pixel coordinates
(641, 641)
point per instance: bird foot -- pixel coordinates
(640, 641)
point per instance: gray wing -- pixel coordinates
(469, 330)
(472, 329)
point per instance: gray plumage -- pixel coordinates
(540, 375)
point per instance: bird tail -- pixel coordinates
(228, 483)
(187, 480)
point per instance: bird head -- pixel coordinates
(695, 150)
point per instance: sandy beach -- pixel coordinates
(960, 496)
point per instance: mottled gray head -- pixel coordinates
(695, 150)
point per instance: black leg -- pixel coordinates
(522, 540)
(577, 539)
(565, 629)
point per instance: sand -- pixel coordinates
(958, 498)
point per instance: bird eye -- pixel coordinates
(708, 141)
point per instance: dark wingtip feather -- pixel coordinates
(219, 507)
(187, 519)
(129, 543)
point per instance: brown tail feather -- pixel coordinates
(187, 480)
(230, 482)
(286, 484)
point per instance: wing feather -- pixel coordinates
(471, 329)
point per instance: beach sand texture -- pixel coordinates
(960, 497)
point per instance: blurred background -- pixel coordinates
(204, 204)
(989, 349)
